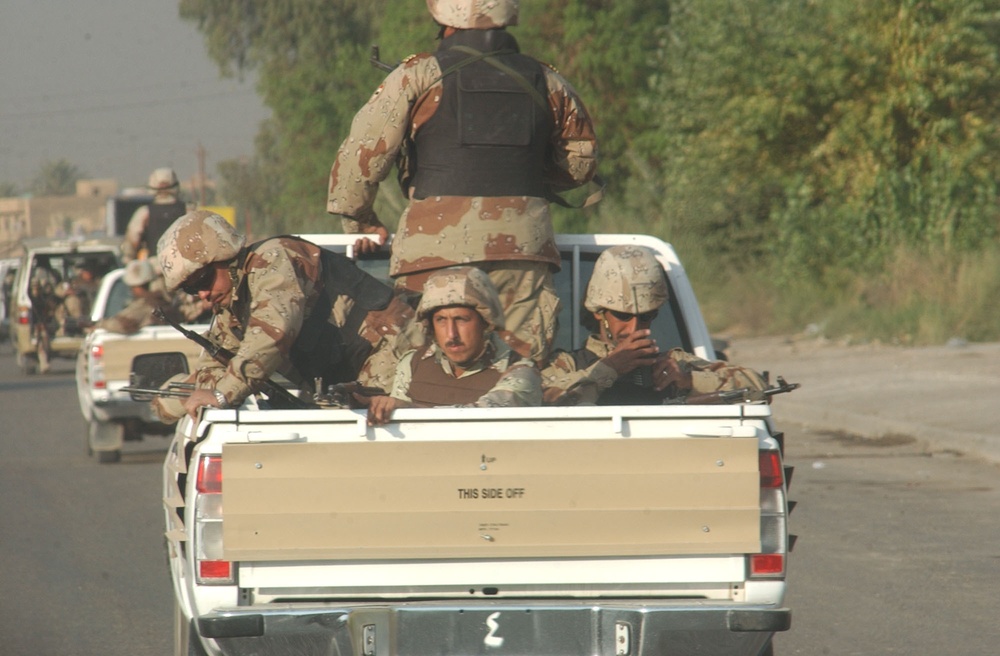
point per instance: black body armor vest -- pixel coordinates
(323, 350)
(490, 135)
(161, 216)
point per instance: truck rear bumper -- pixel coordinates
(505, 629)
(112, 406)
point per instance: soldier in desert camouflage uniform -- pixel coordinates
(146, 297)
(478, 182)
(465, 363)
(622, 364)
(282, 305)
(149, 222)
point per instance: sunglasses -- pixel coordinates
(645, 317)
(199, 281)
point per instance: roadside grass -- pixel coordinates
(916, 299)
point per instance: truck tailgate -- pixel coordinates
(491, 499)
(120, 349)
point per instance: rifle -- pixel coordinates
(742, 395)
(174, 390)
(279, 396)
(377, 62)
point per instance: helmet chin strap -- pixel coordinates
(607, 327)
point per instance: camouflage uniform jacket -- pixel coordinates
(565, 384)
(274, 290)
(519, 384)
(441, 231)
(139, 313)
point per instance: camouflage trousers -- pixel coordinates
(529, 301)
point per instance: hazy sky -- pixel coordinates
(117, 88)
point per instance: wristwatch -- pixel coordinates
(221, 399)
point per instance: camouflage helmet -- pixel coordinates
(474, 14)
(162, 179)
(138, 273)
(196, 239)
(466, 286)
(627, 279)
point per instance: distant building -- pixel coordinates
(82, 214)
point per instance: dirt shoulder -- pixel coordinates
(944, 396)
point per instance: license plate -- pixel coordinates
(508, 631)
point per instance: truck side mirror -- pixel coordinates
(151, 370)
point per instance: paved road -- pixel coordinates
(897, 550)
(81, 545)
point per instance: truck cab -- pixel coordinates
(49, 271)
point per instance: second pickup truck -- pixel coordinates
(102, 369)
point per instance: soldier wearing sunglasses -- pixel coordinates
(281, 305)
(621, 364)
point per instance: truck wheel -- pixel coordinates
(28, 364)
(105, 438)
(186, 642)
(108, 457)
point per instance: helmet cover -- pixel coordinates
(465, 286)
(138, 273)
(196, 239)
(626, 279)
(474, 14)
(162, 179)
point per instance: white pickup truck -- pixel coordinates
(102, 370)
(612, 531)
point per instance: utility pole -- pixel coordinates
(201, 174)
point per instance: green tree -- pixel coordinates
(8, 189)
(56, 178)
(310, 58)
(827, 134)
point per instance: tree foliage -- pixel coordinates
(828, 134)
(56, 178)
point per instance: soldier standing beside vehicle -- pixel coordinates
(479, 181)
(44, 304)
(149, 222)
(465, 363)
(621, 364)
(282, 305)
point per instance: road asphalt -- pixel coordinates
(945, 397)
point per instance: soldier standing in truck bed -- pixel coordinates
(479, 181)
(149, 222)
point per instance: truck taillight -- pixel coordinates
(97, 378)
(772, 474)
(210, 475)
(23, 315)
(770, 562)
(211, 568)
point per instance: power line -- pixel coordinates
(130, 105)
